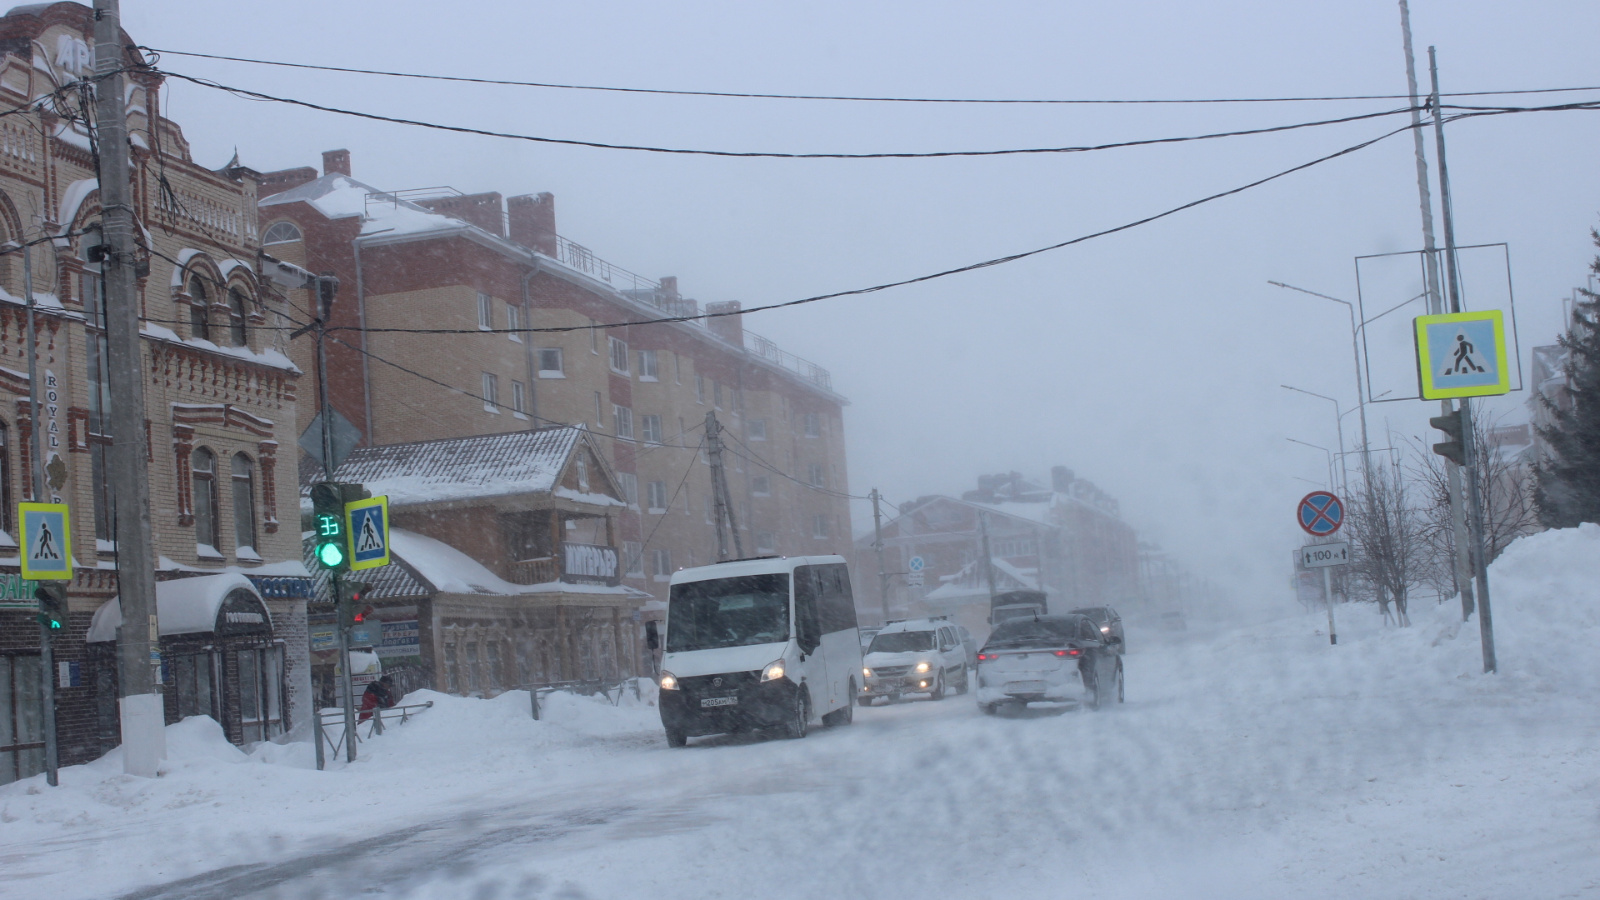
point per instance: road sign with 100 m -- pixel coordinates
(367, 524)
(1315, 556)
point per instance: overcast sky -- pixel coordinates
(1149, 361)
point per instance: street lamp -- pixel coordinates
(1317, 447)
(1338, 423)
(1355, 351)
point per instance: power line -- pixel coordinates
(765, 154)
(756, 459)
(674, 499)
(834, 97)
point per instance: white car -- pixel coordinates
(915, 656)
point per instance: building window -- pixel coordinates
(485, 311)
(583, 474)
(5, 482)
(491, 392)
(661, 564)
(647, 365)
(599, 422)
(237, 311)
(813, 425)
(203, 469)
(677, 368)
(281, 233)
(622, 419)
(619, 356)
(550, 363)
(651, 426)
(633, 557)
(514, 321)
(716, 393)
(656, 494)
(761, 485)
(629, 483)
(594, 338)
(244, 507)
(766, 541)
(757, 429)
(700, 389)
(819, 526)
(814, 476)
(519, 399)
(199, 323)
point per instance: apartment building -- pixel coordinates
(220, 396)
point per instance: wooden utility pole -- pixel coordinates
(144, 741)
(877, 547)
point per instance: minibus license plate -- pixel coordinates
(719, 701)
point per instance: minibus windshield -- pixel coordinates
(728, 612)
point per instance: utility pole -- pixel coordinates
(1461, 561)
(877, 547)
(988, 560)
(1468, 451)
(144, 739)
(719, 490)
(47, 664)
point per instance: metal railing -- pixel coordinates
(767, 349)
(334, 716)
(542, 570)
(611, 690)
(576, 256)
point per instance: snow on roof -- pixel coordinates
(490, 465)
(340, 197)
(183, 606)
(970, 582)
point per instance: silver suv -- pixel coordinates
(916, 656)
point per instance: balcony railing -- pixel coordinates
(542, 570)
(766, 349)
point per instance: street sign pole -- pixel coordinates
(1320, 514)
(1327, 592)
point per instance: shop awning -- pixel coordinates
(192, 606)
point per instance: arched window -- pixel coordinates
(203, 467)
(244, 506)
(281, 233)
(236, 315)
(199, 324)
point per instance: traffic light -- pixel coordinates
(352, 611)
(1454, 449)
(52, 599)
(327, 520)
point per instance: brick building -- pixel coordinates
(220, 402)
(485, 265)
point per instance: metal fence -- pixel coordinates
(331, 745)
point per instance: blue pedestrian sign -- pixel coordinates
(1320, 513)
(368, 527)
(1462, 355)
(46, 541)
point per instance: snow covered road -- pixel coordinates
(1253, 761)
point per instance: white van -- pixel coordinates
(759, 643)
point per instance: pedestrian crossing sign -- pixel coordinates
(46, 541)
(1462, 355)
(367, 524)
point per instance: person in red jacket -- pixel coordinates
(378, 695)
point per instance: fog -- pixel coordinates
(1149, 361)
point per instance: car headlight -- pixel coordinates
(1105, 629)
(923, 667)
(773, 671)
(866, 672)
(669, 681)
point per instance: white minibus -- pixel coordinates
(759, 643)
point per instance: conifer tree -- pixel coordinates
(1567, 491)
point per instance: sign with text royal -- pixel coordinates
(589, 564)
(367, 524)
(46, 541)
(1462, 355)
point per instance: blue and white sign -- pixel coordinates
(368, 521)
(46, 541)
(917, 564)
(1462, 355)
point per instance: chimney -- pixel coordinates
(729, 328)
(669, 286)
(336, 162)
(1060, 479)
(533, 221)
(482, 210)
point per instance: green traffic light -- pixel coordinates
(331, 555)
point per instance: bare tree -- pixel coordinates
(1505, 484)
(1390, 552)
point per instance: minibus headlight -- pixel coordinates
(773, 671)
(866, 672)
(669, 681)
(923, 667)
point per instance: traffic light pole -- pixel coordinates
(341, 628)
(47, 664)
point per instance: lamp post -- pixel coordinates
(1338, 424)
(1355, 352)
(1318, 447)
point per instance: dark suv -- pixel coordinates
(1106, 619)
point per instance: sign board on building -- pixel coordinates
(367, 524)
(1462, 355)
(1315, 556)
(46, 541)
(588, 563)
(16, 592)
(400, 639)
(323, 638)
